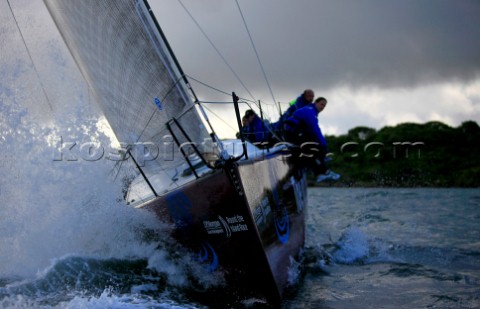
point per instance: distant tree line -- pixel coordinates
(408, 155)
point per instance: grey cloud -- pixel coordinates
(386, 44)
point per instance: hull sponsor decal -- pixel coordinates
(225, 225)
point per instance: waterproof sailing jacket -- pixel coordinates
(295, 105)
(257, 131)
(304, 121)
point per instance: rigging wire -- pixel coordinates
(268, 128)
(256, 53)
(220, 91)
(222, 102)
(216, 49)
(225, 103)
(31, 58)
(220, 118)
(216, 102)
(241, 100)
(209, 86)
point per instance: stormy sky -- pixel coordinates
(378, 62)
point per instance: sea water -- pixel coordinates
(366, 248)
(67, 240)
(391, 248)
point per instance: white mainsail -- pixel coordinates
(124, 58)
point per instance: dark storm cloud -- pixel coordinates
(385, 44)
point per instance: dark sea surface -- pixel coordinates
(366, 248)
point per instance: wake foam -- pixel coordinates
(355, 247)
(352, 247)
(67, 239)
(50, 209)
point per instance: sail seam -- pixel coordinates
(30, 56)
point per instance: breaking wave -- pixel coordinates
(67, 239)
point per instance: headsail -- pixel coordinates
(124, 58)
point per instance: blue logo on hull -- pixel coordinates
(281, 219)
(207, 255)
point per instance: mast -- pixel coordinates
(182, 73)
(169, 48)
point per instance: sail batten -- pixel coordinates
(128, 65)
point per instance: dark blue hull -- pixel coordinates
(246, 219)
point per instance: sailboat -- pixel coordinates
(238, 208)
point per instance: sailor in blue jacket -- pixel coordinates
(306, 98)
(254, 129)
(302, 129)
